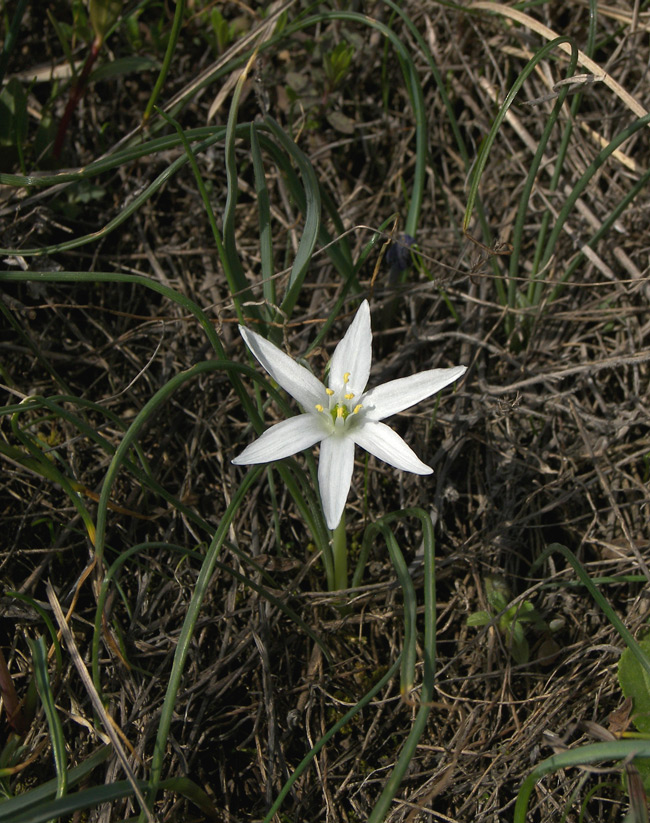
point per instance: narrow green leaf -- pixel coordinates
(406, 755)
(239, 286)
(13, 808)
(45, 617)
(187, 631)
(264, 218)
(62, 807)
(11, 36)
(179, 12)
(486, 146)
(309, 235)
(41, 675)
(329, 734)
(611, 615)
(618, 750)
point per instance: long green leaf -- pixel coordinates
(187, 632)
(310, 230)
(118, 277)
(409, 748)
(522, 209)
(234, 276)
(16, 810)
(409, 651)
(140, 421)
(179, 11)
(264, 219)
(337, 252)
(561, 156)
(487, 144)
(593, 590)
(41, 675)
(239, 286)
(414, 88)
(576, 192)
(12, 808)
(45, 617)
(329, 734)
(619, 750)
(11, 36)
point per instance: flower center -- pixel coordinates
(340, 408)
(342, 411)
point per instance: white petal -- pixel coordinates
(335, 466)
(283, 439)
(353, 354)
(397, 395)
(294, 378)
(387, 445)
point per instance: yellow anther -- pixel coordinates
(358, 408)
(330, 392)
(349, 396)
(340, 411)
(319, 408)
(346, 377)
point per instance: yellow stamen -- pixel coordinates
(330, 392)
(346, 377)
(319, 407)
(339, 411)
(357, 408)
(349, 396)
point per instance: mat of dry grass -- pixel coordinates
(546, 440)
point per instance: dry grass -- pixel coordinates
(546, 440)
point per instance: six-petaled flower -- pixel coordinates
(343, 414)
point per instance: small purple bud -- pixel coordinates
(398, 255)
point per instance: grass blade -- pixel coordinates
(305, 762)
(582, 756)
(487, 144)
(264, 219)
(41, 675)
(187, 632)
(240, 289)
(409, 748)
(179, 12)
(309, 234)
(609, 612)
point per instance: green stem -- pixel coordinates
(340, 553)
(171, 47)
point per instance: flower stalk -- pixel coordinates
(340, 555)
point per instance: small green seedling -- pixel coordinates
(337, 64)
(510, 620)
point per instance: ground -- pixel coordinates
(363, 151)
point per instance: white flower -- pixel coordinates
(343, 415)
